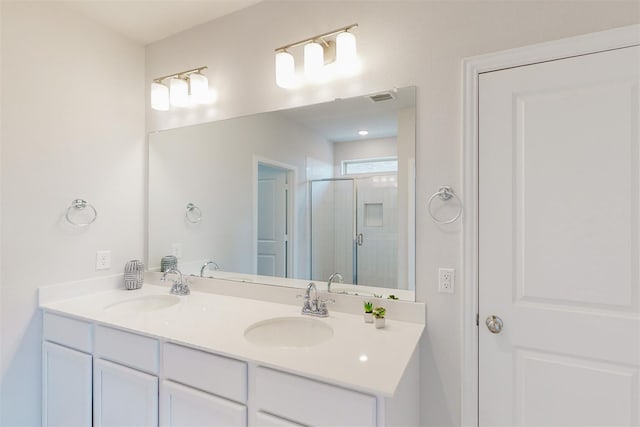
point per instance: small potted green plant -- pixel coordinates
(368, 312)
(378, 317)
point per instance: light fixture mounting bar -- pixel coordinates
(180, 74)
(318, 37)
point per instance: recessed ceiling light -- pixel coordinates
(363, 132)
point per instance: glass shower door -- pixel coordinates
(333, 229)
(354, 230)
(377, 231)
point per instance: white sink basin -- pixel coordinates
(144, 304)
(289, 332)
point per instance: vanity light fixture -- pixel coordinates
(159, 96)
(346, 53)
(323, 58)
(178, 92)
(313, 61)
(285, 70)
(183, 89)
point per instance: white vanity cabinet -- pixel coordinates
(311, 402)
(66, 386)
(123, 396)
(183, 406)
(125, 381)
(202, 389)
(66, 372)
(102, 376)
(263, 419)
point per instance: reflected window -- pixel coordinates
(366, 166)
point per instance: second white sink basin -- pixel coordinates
(289, 332)
(144, 303)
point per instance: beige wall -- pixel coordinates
(72, 126)
(418, 43)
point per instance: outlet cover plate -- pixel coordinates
(446, 280)
(103, 260)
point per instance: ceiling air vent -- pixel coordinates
(379, 97)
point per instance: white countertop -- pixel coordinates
(357, 356)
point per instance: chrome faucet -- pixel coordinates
(334, 276)
(314, 306)
(179, 286)
(204, 266)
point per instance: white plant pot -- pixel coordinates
(368, 317)
(378, 322)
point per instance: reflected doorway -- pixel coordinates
(274, 220)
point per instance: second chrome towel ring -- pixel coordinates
(444, 193)
(81, 206)
(193, 214)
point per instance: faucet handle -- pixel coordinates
(322, 305)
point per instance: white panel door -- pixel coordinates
(66, 386)
(123, 396)
(186, 407)
(272, 221)
(558, 242)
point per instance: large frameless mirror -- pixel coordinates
(286, 197)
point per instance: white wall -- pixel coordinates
(400, 44)
(212, 165)
(72, 126)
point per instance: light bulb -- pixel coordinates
(159, 97)
(285, 70)
(178, 92)
(313, 61)
(199, 88)
(346, 53)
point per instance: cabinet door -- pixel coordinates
(184, 406)
(123, 396)
(66, 386)
(267, 420)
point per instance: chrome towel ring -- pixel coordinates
(81, 205)
(193, 214)
(444, 193)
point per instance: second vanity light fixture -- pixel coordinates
(180, 90)
(324, 58)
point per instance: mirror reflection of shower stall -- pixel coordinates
(354, 229)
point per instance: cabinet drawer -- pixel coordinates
(66, 331)
(205, 371)
(133, 350)
(311, 402)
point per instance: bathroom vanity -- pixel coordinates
(145, 357)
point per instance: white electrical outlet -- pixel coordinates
(176, 250)
(103, 260)
(446, 280)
